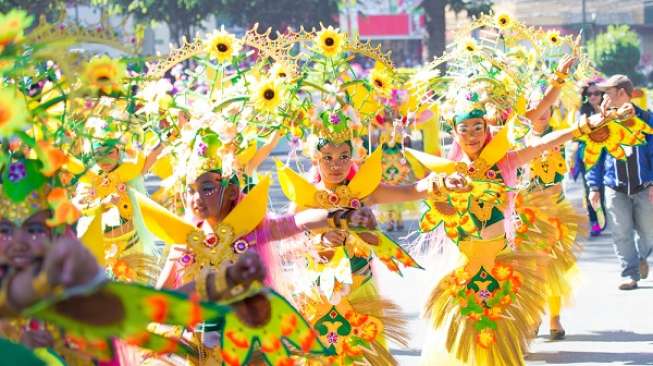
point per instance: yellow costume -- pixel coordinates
(343, 304)
(116, 233)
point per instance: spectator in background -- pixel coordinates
(591, 97)
(628, 190)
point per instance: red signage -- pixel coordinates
(384, 25)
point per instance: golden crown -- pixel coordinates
(267, 47)
(101, 33)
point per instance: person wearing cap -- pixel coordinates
(628, 190)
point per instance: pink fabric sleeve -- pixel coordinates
(508, 167)
(277, 228)
(273, 229)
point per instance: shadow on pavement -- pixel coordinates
(610, 336)
(597, 357)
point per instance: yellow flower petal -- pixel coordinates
(222, 45)
(104, 74)
(553, 36)
(329, 41)
(267, 95)
(503, 20)
(13, 111)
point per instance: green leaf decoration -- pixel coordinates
(286, 333)
(122, 310)
(21, 178)
(16, 354)
(472, 306)
(485, 323)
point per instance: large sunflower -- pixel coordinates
(381, 81)
(609, 137)
(553, 36)
(12, 26)
(329, 41)
(503, 20)
(267, 95)
(13, 111)
(104, 74)
(222, 45)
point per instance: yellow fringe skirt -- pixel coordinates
(357, 327)
(550, 225)
(487, 308)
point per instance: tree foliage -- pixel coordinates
(435, 11)
(52, 9)
(280, 14)
(183, 17)
(617, 51)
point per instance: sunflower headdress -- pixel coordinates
(332, 99)
(40, 129)
(236, 95)
(508, 59)
(58, 97)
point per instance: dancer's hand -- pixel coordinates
(566, 63)
(69, 263)
(595, 199)
(364, 218)
(626, 111)
(456, 182)
(247, 269)
(334, 238)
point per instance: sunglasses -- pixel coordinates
(595, 94)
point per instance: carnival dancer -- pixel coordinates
(544, 210)
(484, 311)
(214, 158)
(330, 275)
(396, 168)
(116, 224)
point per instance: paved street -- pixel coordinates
(604, 326)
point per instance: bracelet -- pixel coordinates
(578, 132)
(331, 219)
(6, 308)
(346, 214)
(561, 75)
(221, 286)
(557, 83)
(582, 127)
(41, 284)
(200, 284)
(437, 189)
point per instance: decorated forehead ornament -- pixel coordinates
(17, 212)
